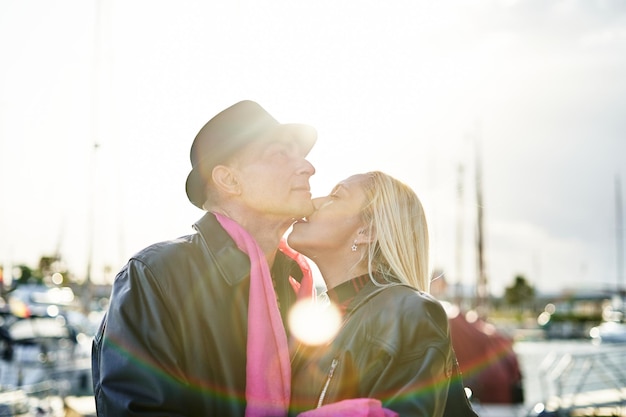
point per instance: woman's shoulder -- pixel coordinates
(407, 297)
(401, 321)
(409, 307)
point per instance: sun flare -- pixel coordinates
(314, 323)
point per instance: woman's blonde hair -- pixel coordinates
(395, 218)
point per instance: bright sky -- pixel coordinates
(406, 87)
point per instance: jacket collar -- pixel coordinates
(231, 263)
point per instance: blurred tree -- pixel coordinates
(520, 294)
(53, 270)
(23, 274)
(46, 265)
(50, 271)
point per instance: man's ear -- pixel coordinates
(225, 180)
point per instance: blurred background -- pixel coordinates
(507, 117)
(101, 100)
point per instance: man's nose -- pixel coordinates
(306, 168)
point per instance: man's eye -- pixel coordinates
(278, 149)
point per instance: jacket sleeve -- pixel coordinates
(414, 361)
(135, 373)
(353, 407)
(418, 388)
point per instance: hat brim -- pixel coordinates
(304, 135)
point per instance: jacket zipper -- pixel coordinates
(333, 365)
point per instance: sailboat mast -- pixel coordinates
(619, 236)
(458, 295)
(481, 282)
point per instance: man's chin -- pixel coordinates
(307, 211)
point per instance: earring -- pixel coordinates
(354, 246)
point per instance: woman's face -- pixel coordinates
(335, 222)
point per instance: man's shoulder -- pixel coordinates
(165, 250)
(182, 246)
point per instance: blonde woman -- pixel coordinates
(369, 239)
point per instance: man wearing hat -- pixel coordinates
(195, 324)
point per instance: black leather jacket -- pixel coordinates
(394, 346)
(173, 342)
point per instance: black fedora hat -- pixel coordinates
(230, 130)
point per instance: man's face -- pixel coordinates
(274, 179)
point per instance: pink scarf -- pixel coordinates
(268, 371)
